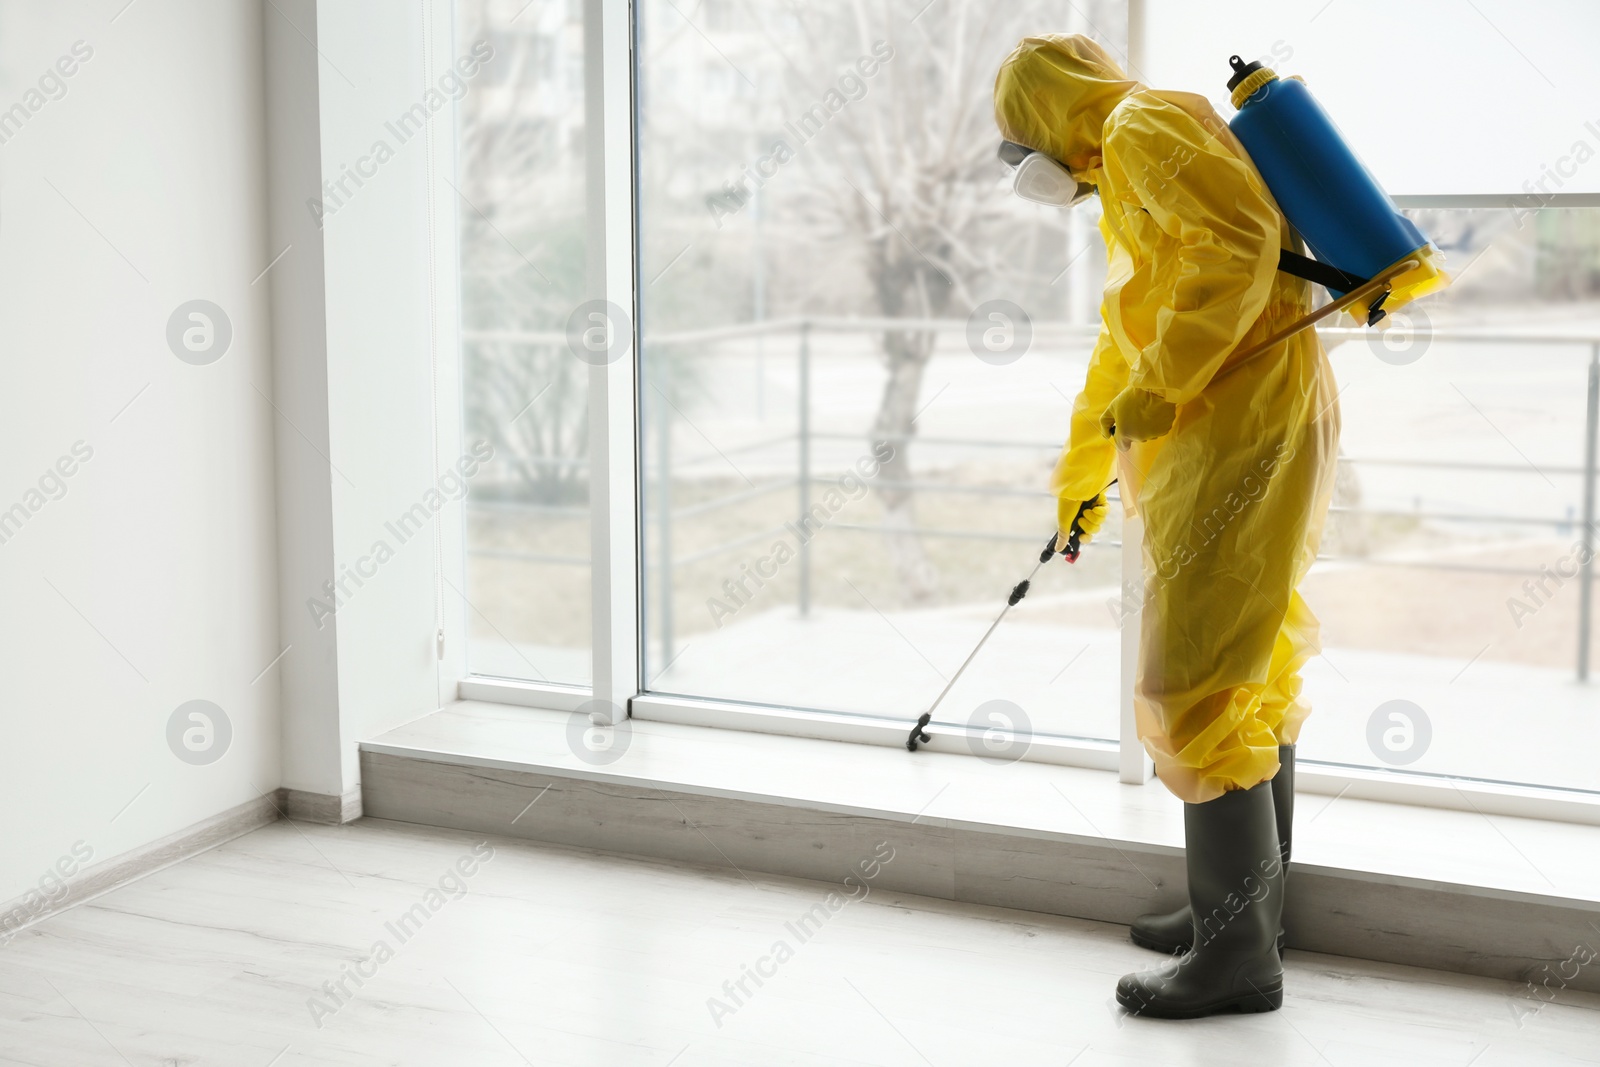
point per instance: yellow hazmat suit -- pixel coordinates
(1231, 468)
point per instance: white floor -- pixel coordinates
(545, 955)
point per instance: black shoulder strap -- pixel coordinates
(1323, 274)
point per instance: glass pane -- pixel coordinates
(846, 438)
(520, 186)
(1451, 588)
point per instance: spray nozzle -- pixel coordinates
(1241, 71)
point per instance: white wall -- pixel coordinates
(176, 163)
(354, 326)
(151, 581)
(1438, 96)
(308, 671)
(382, 326)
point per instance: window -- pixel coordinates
(859, 354)
(520, 193)
(1456, 603)
(856, 357)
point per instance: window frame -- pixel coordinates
(619, 588)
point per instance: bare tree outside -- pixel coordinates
(905, 188)
(895, 195)
(521, 206)
(519, 201)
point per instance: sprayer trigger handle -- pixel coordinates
(1075, 536)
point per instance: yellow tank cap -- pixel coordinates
(1252, 84)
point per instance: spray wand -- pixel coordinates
(1070, 551)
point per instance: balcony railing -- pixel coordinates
(664, 466)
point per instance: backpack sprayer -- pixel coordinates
(1370, 258)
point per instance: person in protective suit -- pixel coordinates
(1231, 467)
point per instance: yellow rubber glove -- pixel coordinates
(1137, 415)
(1089, 523)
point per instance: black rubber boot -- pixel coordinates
(1173, 932)
(1236, 895)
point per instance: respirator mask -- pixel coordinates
(1040, 179)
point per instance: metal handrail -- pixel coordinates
(873, 324)
(804, 327)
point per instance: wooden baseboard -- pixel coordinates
(109, 874)
(321, 807)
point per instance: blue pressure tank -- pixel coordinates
(1327, 194)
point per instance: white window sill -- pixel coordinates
(1465, 846)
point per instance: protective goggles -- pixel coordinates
(1040, 179)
